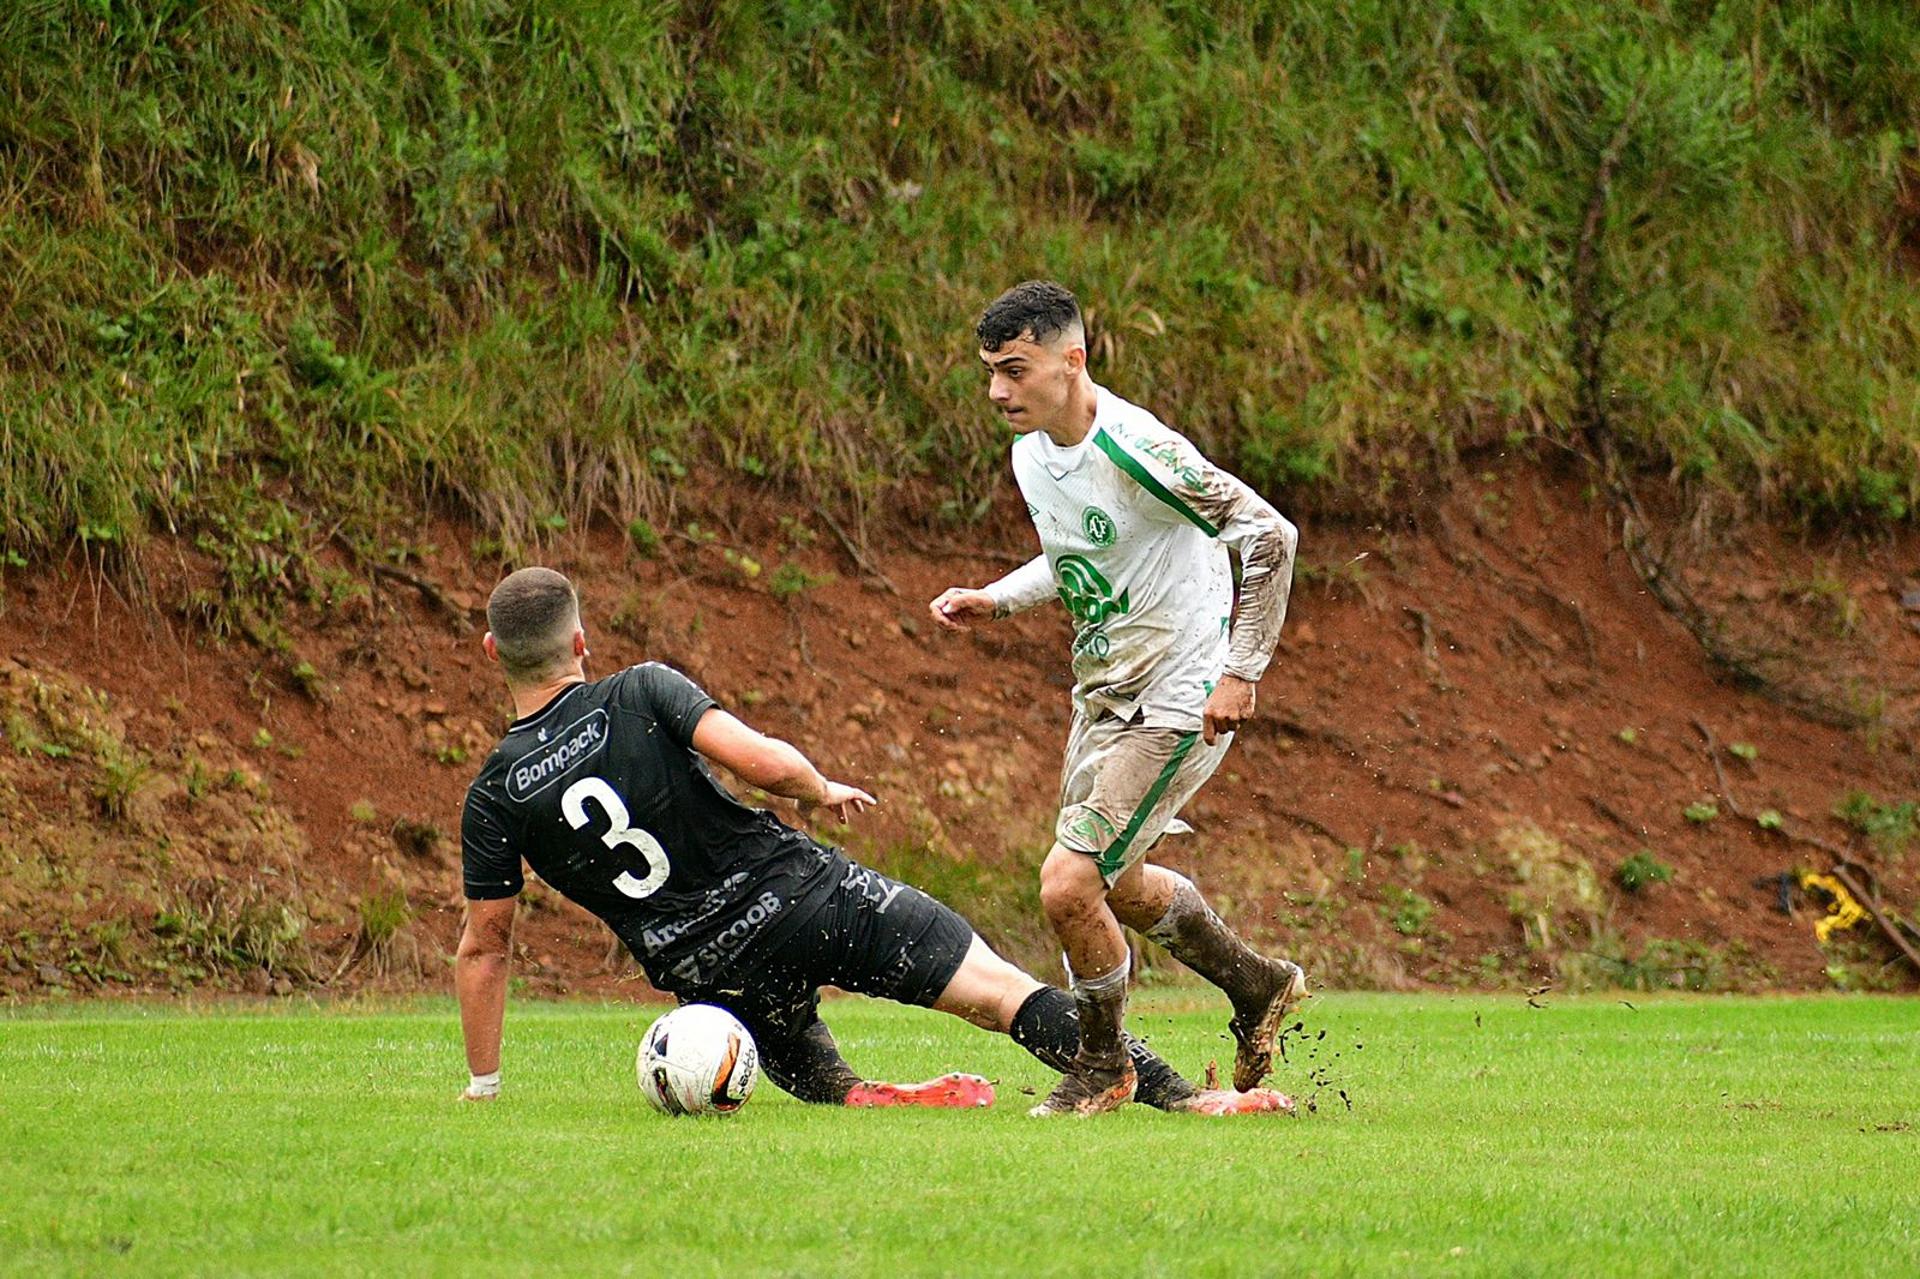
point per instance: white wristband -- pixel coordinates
(484, 1085)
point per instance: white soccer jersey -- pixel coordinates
(1134, 526)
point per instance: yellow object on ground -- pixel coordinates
(1845, 911)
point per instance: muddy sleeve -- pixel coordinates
(1192, 489)
(489, 864)
(671, 699)
(1266, 541)
(1026, 586)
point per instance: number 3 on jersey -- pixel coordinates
(574, 804)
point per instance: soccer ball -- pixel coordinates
(697, 1060)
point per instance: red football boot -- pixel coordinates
(949, 1092)
(1224, 1101)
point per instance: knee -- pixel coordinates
(1070, 884)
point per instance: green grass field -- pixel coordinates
(1680, 1136)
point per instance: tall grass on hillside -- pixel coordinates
(271, 270)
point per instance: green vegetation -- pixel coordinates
(1406, 910)
(1557, 899)
(1888, 826)
(645, 540)
(216, 926)
(277, 271)
(122, 771)
(790, 580)
(1640, 870)
(1661, 963)
(1584, 1137)
(1002, 901)
(384, 943)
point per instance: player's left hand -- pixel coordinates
(843, 801)
(1228, 707)
(958, 607)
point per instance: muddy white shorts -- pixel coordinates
(1124, 785)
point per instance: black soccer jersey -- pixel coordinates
(602, 793)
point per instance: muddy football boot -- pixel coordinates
(1086, 1091)
(1224, 1101)
(949, 1092)
(1256, 1021)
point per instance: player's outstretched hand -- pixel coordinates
(957, 608)
(1228, 707)
(842, 800)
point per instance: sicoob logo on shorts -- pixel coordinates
(582, 739)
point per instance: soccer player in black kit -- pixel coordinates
(603, 788)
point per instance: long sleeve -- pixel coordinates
(1266, 541)
(1026, 586)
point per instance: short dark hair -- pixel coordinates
(533, 614)
(1039, 307)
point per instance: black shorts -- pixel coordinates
(870, 934)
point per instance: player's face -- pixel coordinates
(1029, 381)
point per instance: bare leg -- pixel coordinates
(1074, 896)
(1142, 894)
(1075, 900)
(987, 991)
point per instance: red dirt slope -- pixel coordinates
(1473, 721)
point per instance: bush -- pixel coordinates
(1407, 911)
(218, 926)
(1640, 870)
(1887, 826)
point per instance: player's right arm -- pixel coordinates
(1026, 586)
(490, 868)
(774, 766)
(480, 980)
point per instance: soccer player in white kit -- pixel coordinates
(1134, 527)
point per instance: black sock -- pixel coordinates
(1160, 1084)
(808, 1065)
(1048, 1027)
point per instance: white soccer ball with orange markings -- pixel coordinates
(697, 1060)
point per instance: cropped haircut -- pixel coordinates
(1040, 307)
(533, 614)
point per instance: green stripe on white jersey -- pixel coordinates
(1131, 465)
(1137, 563)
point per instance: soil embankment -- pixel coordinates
(1474, 724)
